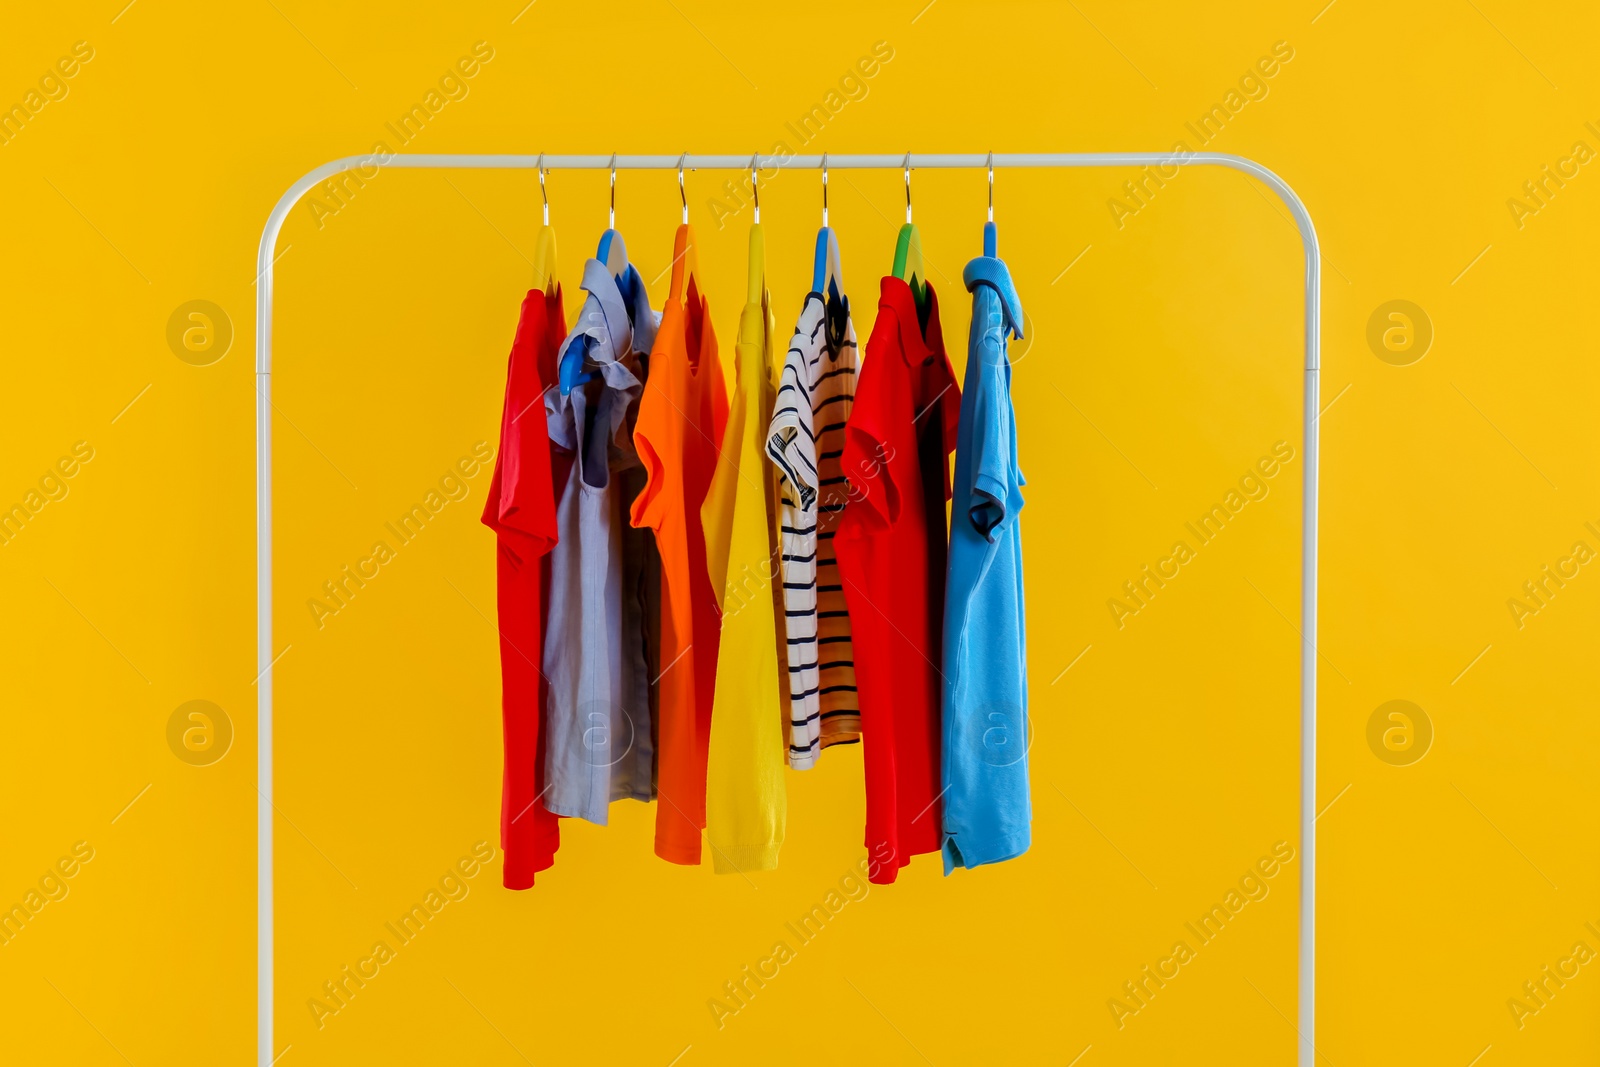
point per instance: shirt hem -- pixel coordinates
(737, 859)
(981, 852)
(520, 868)
(886, 872)
(578, 811)
(599, 817)
(683, 855)
(846, 732)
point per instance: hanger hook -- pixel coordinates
(824, 189)
(908, 187)
(755, 187)
(991, 186)
(613, 216)
(683, 196)
(543, 195)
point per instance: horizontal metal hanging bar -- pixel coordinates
(361, 164)
(928, 161)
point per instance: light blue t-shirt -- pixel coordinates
(988, 813)
(597, 740)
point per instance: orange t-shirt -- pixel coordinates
(682, 414)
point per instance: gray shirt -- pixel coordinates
(596, 649)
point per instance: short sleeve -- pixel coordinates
(527, 499)
(521, 492)
(649, 508)
(653, 429)
(883, 397)
(993, 429)
(718, 510)
(950, 419)
(791, 437)
(715, 385)
(491, 507)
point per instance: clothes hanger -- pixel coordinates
(544, 251)
(684, 260)
(908, 251)
(758, 240)
(1012, 328)
(613, 252)
(825, 271)
(989, 235)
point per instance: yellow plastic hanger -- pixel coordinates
(544, 251)
(758, 243)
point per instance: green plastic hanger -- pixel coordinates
(908, 264)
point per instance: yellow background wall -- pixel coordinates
(1162, 363)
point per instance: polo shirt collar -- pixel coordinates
(896, 293)
(622, 333)
(987, 270)
(602, 287)
(644, 319)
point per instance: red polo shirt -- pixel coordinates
(522, 512)
(891, 548)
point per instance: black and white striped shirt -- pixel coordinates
(805, 441)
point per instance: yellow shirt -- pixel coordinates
(746, 805)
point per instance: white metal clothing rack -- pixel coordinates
(265, 1054)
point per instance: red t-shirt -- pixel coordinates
(522, 512)
(891, 548)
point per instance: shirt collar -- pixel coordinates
(895, 293)
(611, 333)
(644, 319)
(987, 270)
(603, 290)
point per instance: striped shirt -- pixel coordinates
(805, 442)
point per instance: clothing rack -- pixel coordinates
(266, 657)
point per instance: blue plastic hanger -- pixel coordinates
(613, 252)
(825, 272)
(571, 372)
(989, 235)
